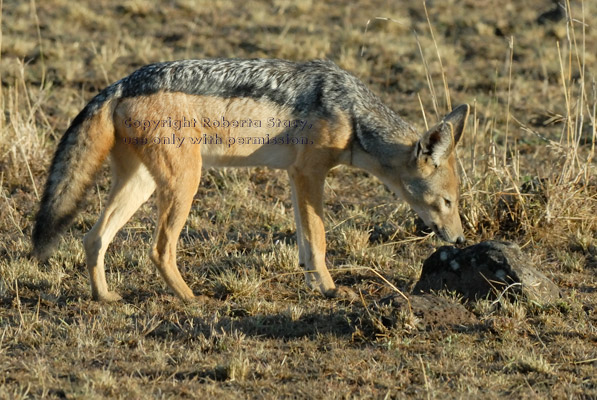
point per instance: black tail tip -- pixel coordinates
(41, 253)
(43, 245)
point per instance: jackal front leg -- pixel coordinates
(307, 196)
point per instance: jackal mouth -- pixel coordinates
(443, 234)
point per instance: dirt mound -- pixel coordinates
(433, 311)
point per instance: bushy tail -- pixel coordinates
(79, 156)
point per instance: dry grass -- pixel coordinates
(528, 175)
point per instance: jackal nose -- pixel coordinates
(460, 240)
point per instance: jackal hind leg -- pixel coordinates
(131, 187)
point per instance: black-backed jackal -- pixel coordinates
(166, 121)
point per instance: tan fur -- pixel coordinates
(174, 171)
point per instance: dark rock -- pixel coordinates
(485, 269)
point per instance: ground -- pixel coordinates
(528, 176)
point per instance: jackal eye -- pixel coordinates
(448, 202)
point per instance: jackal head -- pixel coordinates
(430, 182)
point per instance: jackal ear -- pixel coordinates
(438, 142)
(435, 145)
(458, 118)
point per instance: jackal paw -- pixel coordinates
(199, 299)
(343, 293)
(108, 297)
